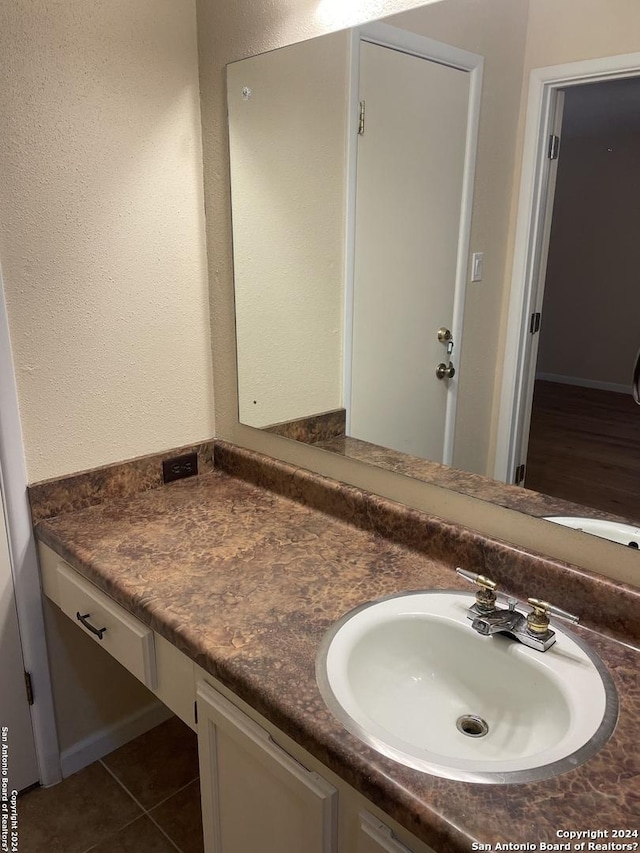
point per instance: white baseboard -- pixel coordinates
(585, 383)
(105, 740)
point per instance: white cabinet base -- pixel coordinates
(255, 796)
(261, 791)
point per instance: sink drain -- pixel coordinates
(472, 726)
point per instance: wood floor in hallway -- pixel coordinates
(584, 446)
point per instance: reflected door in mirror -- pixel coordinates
(410, 173)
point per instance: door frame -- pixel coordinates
(24, 562)
(385, 35)
(527, 284)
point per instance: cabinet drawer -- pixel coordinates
(122, 635)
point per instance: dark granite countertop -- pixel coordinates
(246, 581)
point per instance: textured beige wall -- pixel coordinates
(288, 168)
(562, 31)
(102, 229)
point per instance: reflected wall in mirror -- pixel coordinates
(373, 274)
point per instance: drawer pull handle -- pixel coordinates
(97, 631)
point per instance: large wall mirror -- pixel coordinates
(435, 256)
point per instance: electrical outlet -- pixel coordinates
(179, 467)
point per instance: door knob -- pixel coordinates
(444, 335)
(444, 371)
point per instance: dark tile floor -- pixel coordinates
(142, 798)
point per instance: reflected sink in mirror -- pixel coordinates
(410, 677)
(614, 531)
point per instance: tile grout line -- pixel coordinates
(145, 812)
(166, 799)
(124, 787)
(195, 779)
(160, 802)
(170, 840)
(110, 834)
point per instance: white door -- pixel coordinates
(410, 179)
(16, 735)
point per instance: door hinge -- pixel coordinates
(195, 712)
(361, 119)
(534, 325)
(29, 687)
(554, 147)
(519, 475)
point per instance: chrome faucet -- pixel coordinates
(532, 629)
(498, 620)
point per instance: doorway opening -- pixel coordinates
(567, 411)
(584, 440)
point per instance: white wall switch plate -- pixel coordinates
(477, 265)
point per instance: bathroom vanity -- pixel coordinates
(216, 593)
(247, 766)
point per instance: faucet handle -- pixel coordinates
(538, 619)
(486, 595)
(474, 577)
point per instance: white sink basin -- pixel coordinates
(411, 678)
(615, 531)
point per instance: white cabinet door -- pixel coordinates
(255, 796)
(375, 837)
